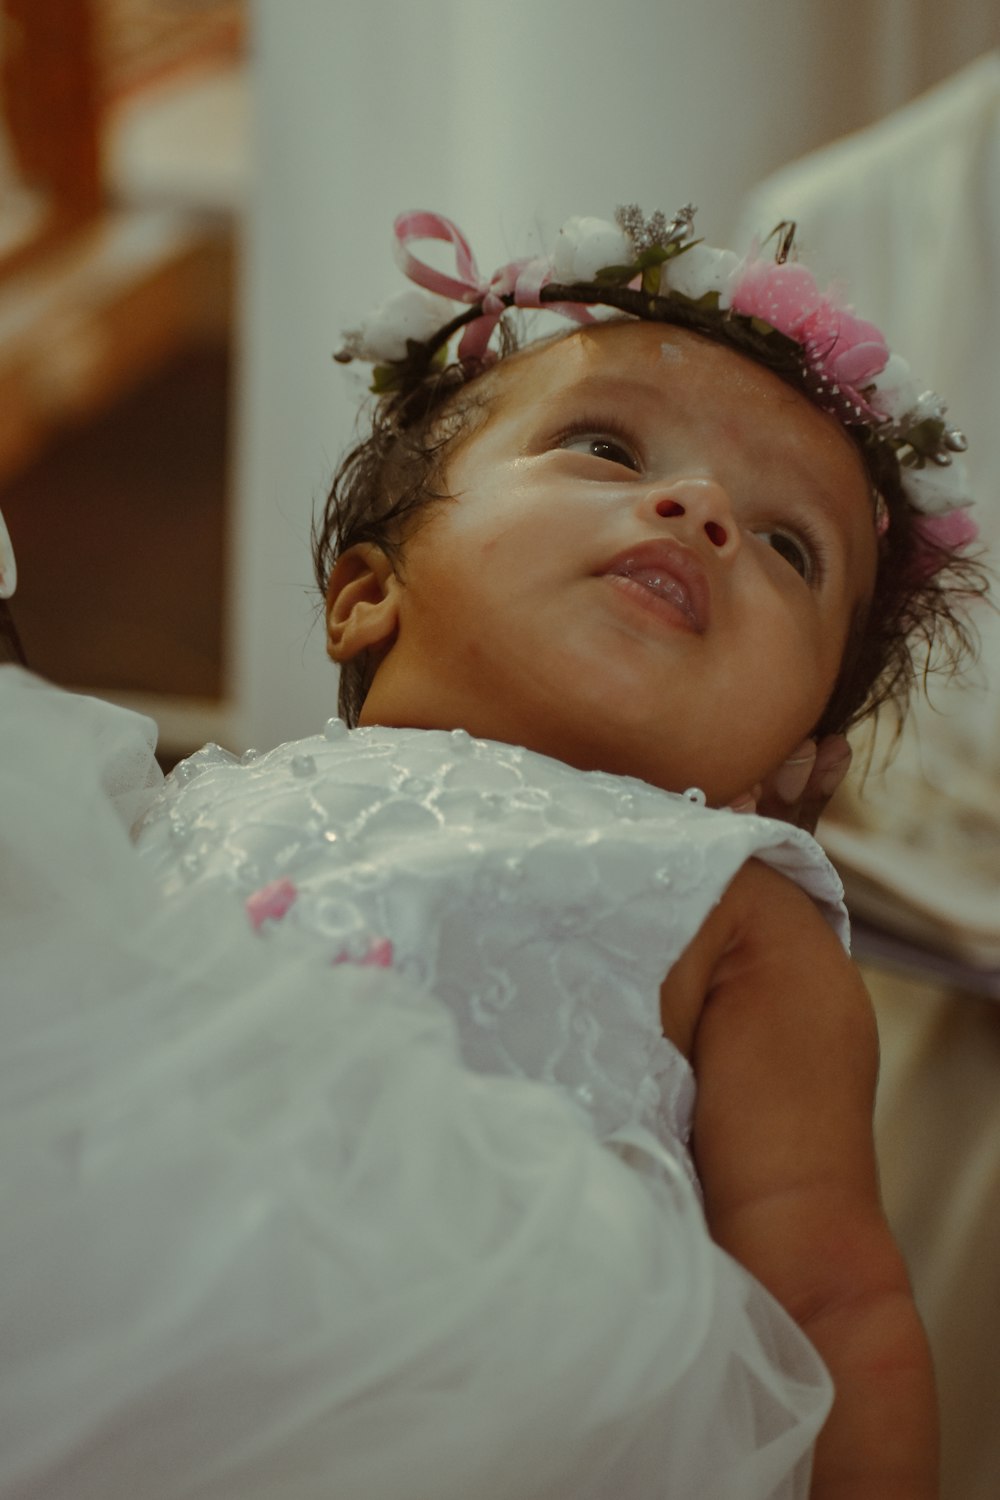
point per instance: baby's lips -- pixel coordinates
(674, 561)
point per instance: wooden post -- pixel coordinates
(49, 93)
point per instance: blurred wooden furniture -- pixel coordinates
(98, 291)
(104, 306)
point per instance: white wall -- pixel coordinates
(506, 115)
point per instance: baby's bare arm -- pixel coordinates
(786, 1055)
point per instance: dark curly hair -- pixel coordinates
(915, 623)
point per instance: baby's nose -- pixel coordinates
(700, 508)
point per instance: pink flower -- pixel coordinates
(379, 955)
(782, 295)
(953, 529)
(851, 350)
(270, 903)
(845, 348)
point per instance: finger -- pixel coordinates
(792, 777)
(748, 802)
(833, 761)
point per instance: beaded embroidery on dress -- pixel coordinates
(542, 904)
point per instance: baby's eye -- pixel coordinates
(601, 445)
(795, 551)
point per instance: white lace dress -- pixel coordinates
(342, 1154)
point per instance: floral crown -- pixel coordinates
(655, 269)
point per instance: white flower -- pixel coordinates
(586, 246)
(929, 405)
(936, 488)
(699, 270)
(896, 393)
(409, 314)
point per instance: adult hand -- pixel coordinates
(800, 789)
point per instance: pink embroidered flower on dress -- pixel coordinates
(273, 901)
(379, 955)
(847, 349)
(270, 903)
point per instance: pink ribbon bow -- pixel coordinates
(520, 279)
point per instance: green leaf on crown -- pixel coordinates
(617, 275)
(386, 378)
(926, 436)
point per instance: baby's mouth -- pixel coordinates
(663, 586)
(669, 573)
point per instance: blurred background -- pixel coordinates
(196, 199)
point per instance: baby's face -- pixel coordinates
(650, 565)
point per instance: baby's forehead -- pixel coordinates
(670, 373)
(636, 357)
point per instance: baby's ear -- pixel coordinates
(362, 603)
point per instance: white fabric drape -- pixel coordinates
(908, 214)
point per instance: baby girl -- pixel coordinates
(587, 595)
(671, 553)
